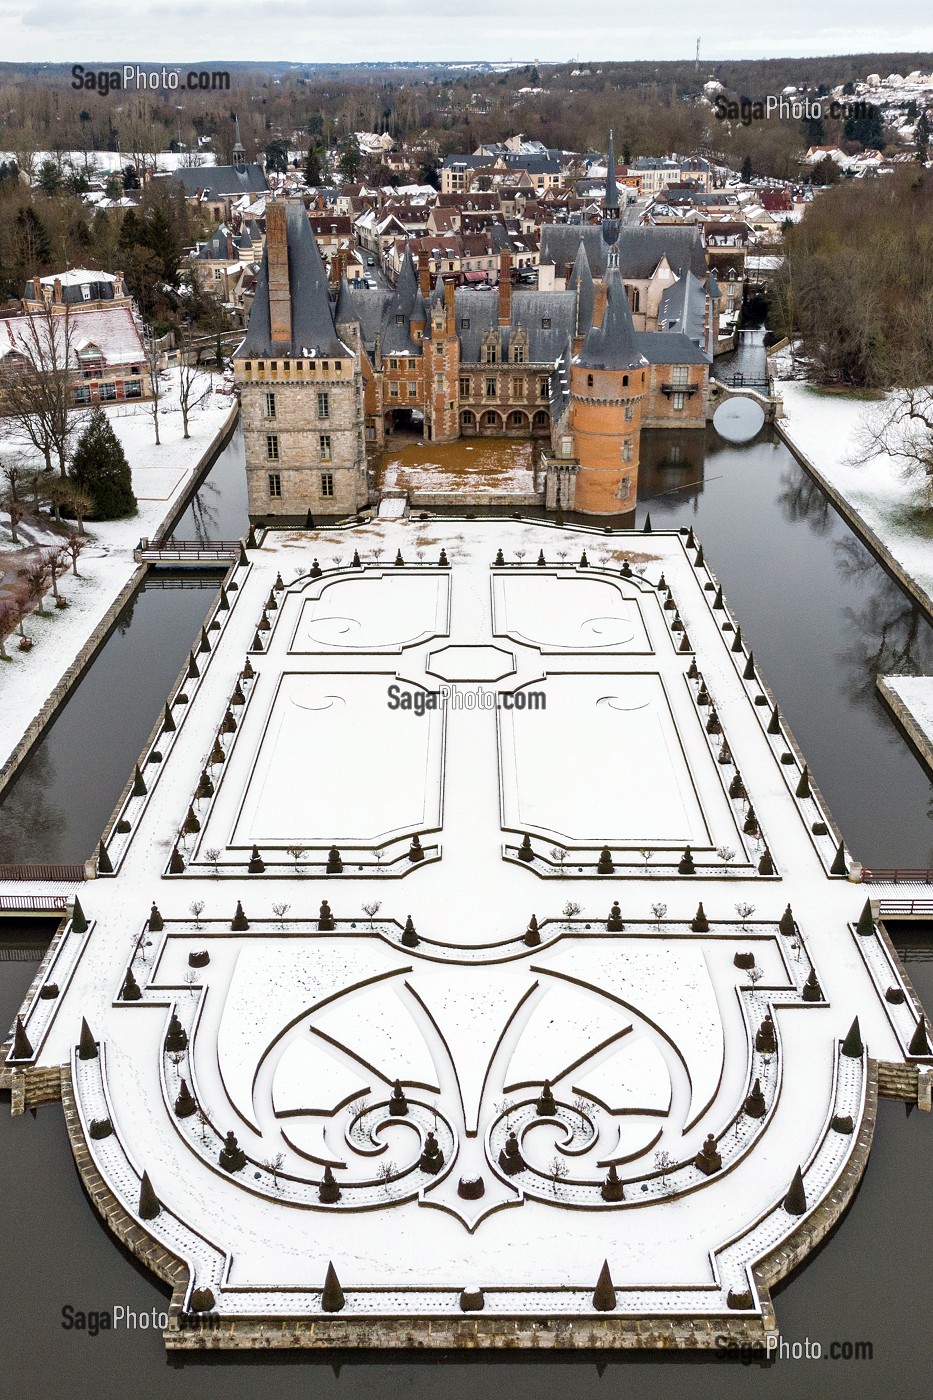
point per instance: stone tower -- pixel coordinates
(300, 383)
(442, 366)
(608, 383)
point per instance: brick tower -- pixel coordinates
(608, 382)
(442, 366)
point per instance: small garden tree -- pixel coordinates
(100, 468)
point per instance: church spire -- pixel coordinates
(611, 201)
(239, 151)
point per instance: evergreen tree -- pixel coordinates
(100, 468)
(746, 170)
(313, 165)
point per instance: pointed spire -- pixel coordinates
(345, 311)
(611, 201)
(612, 344)
(580, 281)
(604, 1294)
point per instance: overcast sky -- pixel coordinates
(84, 31)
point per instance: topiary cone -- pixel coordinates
(332, 1296)
(168, 724)
(919, 1043)
(240, 922)
(852, 1045)
(787, 923)
(866, 924)
(139, 784)
(22, 1047)
(604, 1294)
(795, 1202)
(149, 1206)
(87, 1045)
(749, 673)
(79, 923)
(646, 528)
(104, 866)
(839, 866)
(803, 787)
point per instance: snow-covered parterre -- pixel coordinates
(472, 959)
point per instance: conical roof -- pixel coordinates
(581, 282)
(612, 345)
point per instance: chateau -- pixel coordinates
(618, 336)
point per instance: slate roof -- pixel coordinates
(313, 326)
(640, 249)
(221, 180)
(683, 308)
(612, 344)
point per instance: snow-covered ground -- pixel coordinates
(160, 478)
(826, 427)
(651, 1032)
(916, 693)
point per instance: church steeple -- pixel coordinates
(239, 150)
(611, 201)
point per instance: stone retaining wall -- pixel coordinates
(865, 533)
(919, 740)
(103, 629)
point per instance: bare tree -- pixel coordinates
(9, 617)
(57, 564)
(35, 580)
(280, 910)
(372, 909)
(901, 428)
(154, 375)
(197, 909)
(658, 910)
(15, 509)
(38, 395)
(194, 385)
(274, 1165)
(75, 546)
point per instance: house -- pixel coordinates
(106, 353)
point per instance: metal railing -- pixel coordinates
(900, 875)
(905, 909)
(33, 903)
(73, 873)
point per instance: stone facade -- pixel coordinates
(303, 430)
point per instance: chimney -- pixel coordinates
(58, 291)
(280, 300)
(505, 289)
(36, 289)
(449, 308)
(424, 272)
(119, 289)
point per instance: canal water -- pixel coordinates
(824, 620)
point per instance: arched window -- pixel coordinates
(625, 381)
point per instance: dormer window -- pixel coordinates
(85, 292)
(464, 323)
(545, 323)
(399, 319)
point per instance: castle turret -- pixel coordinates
(608, 383)
(442, 365)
